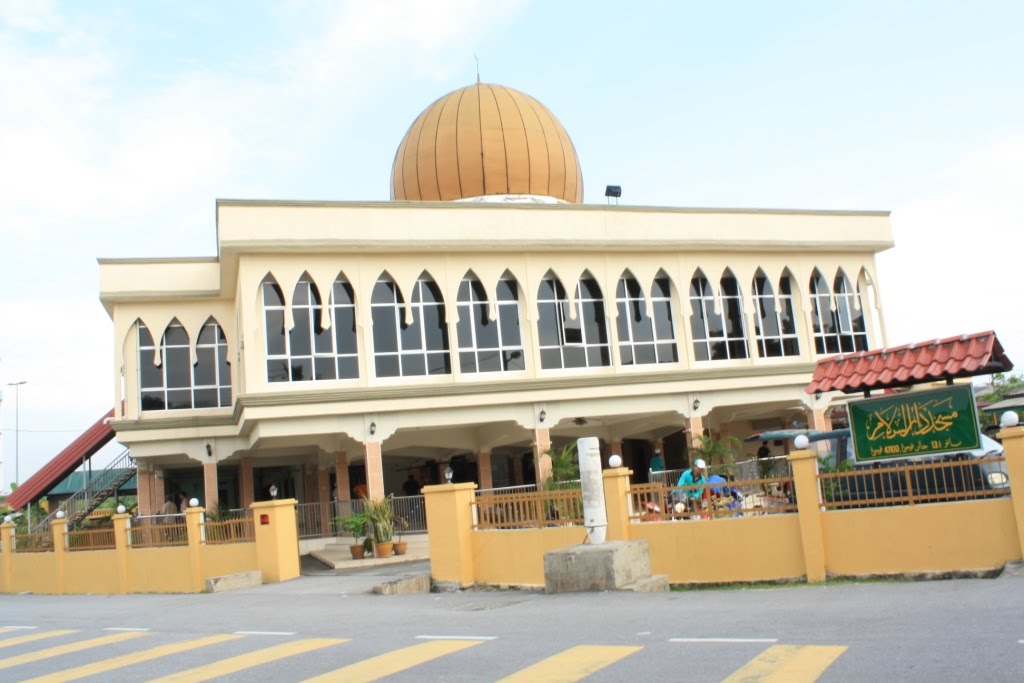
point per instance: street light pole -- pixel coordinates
(17, 427)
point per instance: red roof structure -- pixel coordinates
(900, 366)
(64, 463)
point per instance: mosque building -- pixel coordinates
(480, 317)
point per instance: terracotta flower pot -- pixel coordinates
(358, 551)
(401, 547)
(383, 549)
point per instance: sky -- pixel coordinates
(122, 123)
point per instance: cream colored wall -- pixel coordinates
(448, 240)
(965, 535)
(503, 558)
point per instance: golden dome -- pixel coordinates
(486, 140)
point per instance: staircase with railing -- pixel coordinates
(97, 488)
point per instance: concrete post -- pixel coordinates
(341, 476)
(541, 460)
(808, 502)
(374, 470)
(277, 539)
(616, 501)
(6, 557)
(247, 489)
(121, 523)
(210, 490)
(483, 468)
(450, 531)
(59, 529)
(145, 483)
(323, 498)
(1013, 451)
(193, 522)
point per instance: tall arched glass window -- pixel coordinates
(644, 340)
(487, 345)
(568, 343)
(716, 336)
(775, 324)
(839, 320)
(309, 352)
(167, 378)
(414, 349)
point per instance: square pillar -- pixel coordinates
(816, 419)
(374, 470)
(247, 489)
(210, 487)
(341, 480)
(59, 529)
(121, 525)
(193, 527)
(541, 460)
(450, 531)
(517, 469)
(6, 556)
(808, 506)
(277, 539)
(308, 485)
(617, 502)
(146, 491)
(1013, 452)
(483, 468)
(323, 498)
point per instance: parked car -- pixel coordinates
(892, 479)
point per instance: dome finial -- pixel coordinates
(477, 68)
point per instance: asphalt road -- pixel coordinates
(949, 630)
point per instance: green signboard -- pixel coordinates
(916, 423)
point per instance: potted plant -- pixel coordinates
(382, 526)
(357, 524)
(400, 524)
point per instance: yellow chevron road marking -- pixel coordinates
(389, 663)
(247, 661)
(10, 642)
(129, 659)
(67, 649)
(572, 664)
(787, 664)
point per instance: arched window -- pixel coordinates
(568, 343)
(407, 350)
(775, 324)
(839, 321)
(716, 336)
(487, 345)
(167, 378)
(309, 352)
(644, 340)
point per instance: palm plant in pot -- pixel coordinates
(357, 524)
(382, 525)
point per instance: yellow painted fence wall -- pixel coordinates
(809, 544)
(171, 569)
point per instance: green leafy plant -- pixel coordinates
(381, 518)
(400, 524)
(565, 467)
(719, 454)
(357, 524)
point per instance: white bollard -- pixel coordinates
(595, 517)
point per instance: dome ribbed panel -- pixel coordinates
(486, 140)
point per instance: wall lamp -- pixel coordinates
(542, 415)
(273, 491)
(373, 428)
(449, 473)
(817, 395)
(696, 404)
(209, 451)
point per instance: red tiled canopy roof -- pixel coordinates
(900, 366)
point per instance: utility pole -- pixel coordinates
(17, 428)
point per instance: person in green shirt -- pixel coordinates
(657, 462)
(694, 477)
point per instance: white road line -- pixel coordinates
(21, 628)
(265, 633)
(457, 637)
(125, 628)
(723, 640)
